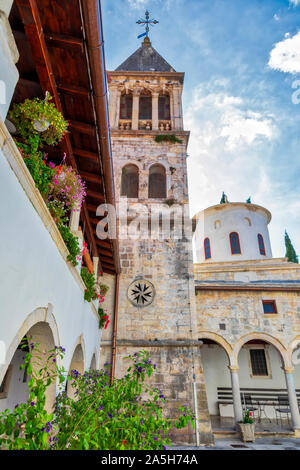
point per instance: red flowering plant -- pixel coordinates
(67, 187)
(103, 318)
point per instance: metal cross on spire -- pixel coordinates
(146, 22)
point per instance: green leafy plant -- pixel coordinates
(29, 426)
(167, 138)
(58, 212)
(103, 289)
(103, 318)
(90, 284)
(290, 252)
(39, 118)
(124, 414)
(71, 242)
(248, 417)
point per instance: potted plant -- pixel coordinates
(247, 427)
(39, 119)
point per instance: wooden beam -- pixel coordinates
(83, 128)
(86, 155)
(34, 32)
(73, 90)
(95, 195)
(92, 178)
(61, 41)
(103, 243)
(106, 260)
(103, 252)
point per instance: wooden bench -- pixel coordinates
(264, 399)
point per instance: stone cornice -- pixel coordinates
(251, 265)
(257, 288)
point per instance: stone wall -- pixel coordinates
(168, 264)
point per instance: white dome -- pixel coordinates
(232, 232)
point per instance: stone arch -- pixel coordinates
(263, 337)
(77, 363)
(41, 326)
(130, 180)
(293, 346)
(219, 340)
(41, 314)
(93, 362)
(157, 186)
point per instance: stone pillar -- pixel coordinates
(236, 394)
(178, 122)
(155, 95)
(114, 107)
(135, 108)
(117, 109)
(96, 264)
(289, 378)
(74, 220)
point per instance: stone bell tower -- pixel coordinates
(156, 291)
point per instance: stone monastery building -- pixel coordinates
(224, 331)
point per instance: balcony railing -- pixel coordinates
(165, 125)
(124, 124)
(144, 124)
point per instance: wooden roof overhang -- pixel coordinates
(61, 51)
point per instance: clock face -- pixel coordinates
(141, 293)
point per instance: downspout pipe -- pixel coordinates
(95, 45)
(115, 325)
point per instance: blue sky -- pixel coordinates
(241, 60)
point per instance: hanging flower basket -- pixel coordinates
(40, 118)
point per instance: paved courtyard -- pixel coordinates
(260, 444)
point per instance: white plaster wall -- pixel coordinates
(8, 57)
(217, 374)
(17, 389)
(232, 218)
(34, 274)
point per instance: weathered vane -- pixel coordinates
(146, 22)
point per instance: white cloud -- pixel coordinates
(226, 151)
(276, 17)
(295, 2)
(285, 56)
(227, 120)
(137, 3)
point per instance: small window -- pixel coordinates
(130, 181)
(269, 306)
(235, 243)
(164, 107)
(261, 244)
(207, 248)
(157, 182)
(145, 107)
(259, 364)
(126, 107)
